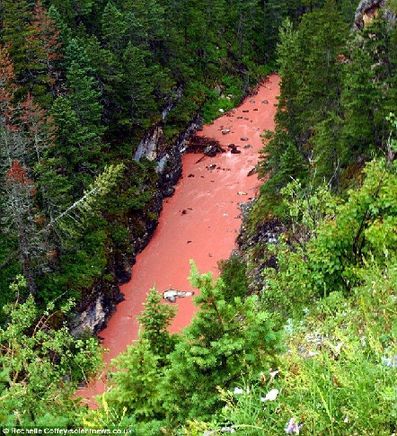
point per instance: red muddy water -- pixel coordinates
(200, 221)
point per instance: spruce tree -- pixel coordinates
(139, 82)
(136, 382)
(114, 28)
(43, 56)
(15, 33)
(226, 341)
(155, 320)
(76, 156)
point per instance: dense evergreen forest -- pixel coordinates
(299, 334)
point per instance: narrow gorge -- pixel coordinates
(199, 222)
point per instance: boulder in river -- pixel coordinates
(200, 144)
(211, 150)
(233, 149)
(172, 294)
(244, 138)
(168, 191)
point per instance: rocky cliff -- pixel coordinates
(100, 303)
(367, 10)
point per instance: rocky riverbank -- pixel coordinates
(99, 304)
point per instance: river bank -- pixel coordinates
(201, 221)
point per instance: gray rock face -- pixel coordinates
(91, 320)
(93, 316)
(252, 246)
(367, 9)
(148, 146)
(169, 162)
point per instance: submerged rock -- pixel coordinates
(200, 144)
(233, 149)
(211, 150)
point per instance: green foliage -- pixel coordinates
(364, 227)
(40, 365)
(136, 382)
(225, 100)
(229, 339)
(234, 274)
(155, 320)
(339, 374)
(105, 71)
(343, 238)
(337, 90)
(15, 32)
(332, 281)
(311, 81)
(226, 341)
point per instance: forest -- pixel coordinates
(298, 335)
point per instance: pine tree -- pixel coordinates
(155, 320)
(135, 384)
(370, 89)
(139, 82)
(225, 342)
(85, 101)
(114, 28)
(274, 13)
(311, 68)
(15, 33)
(76, 156)
(43, 55)
(20, 205)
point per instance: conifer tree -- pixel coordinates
(78, 131)
(370, 88)
(136, 382)
(225, 342)
(43, 55)
(155, 320)
(20, 207)
(114, 28)
(311, 68)
(139, 82)
(15, 32)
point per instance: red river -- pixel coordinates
(200, 222)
